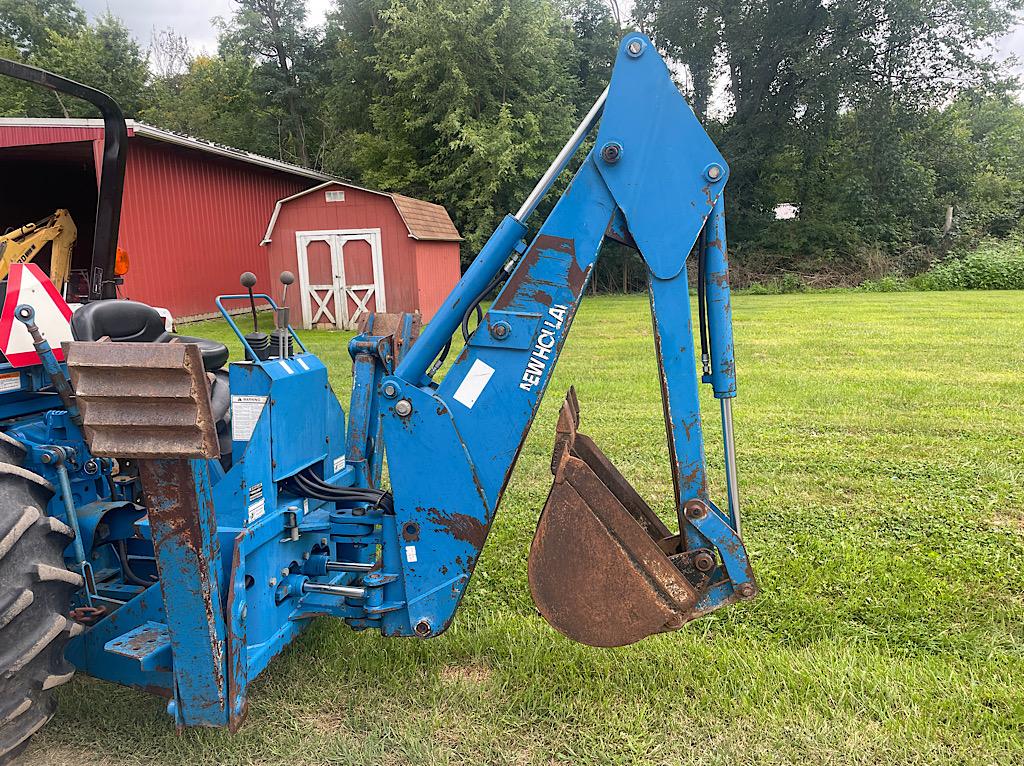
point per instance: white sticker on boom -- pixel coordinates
(302, 364)
(245, 414)
(339, 464)
(473, 384)
(257, 509)
(410, 554)
(285, 367)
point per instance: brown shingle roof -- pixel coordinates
(426, 220)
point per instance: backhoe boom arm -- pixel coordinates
(654, 180)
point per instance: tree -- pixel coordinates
(353, 80)
(215, 99)
(103, 55)
(26, 25)
(595, 35)
(478, 99)
(808, 77)
(273, 31)
(170, 54)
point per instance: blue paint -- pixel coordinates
(236, 569)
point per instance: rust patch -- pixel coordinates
(576, 277)
(522, 275)
(460, 526)
(542, 296)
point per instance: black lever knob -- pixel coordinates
(287, 278)
(248, 280)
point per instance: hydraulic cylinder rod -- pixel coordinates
(723, 359)
(562, 159)
(345, 591)
(349, 566)
(492, 257)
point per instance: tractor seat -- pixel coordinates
(133, 322)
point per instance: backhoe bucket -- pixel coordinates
(603, 567)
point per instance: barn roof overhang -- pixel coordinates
(142, 130)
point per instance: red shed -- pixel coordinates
(194, 213)
(355, 250)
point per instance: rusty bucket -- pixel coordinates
(603, 568)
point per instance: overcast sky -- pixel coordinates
(192, 19)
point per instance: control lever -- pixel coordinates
(281, 337)
(258, 341)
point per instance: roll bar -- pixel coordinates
(102, 283)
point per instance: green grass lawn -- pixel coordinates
(881, 450)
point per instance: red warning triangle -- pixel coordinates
(27, 284)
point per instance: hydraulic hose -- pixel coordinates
(307, 484)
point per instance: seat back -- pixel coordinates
(121, 321)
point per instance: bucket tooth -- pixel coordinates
(600, 570)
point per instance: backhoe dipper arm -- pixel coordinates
(653, 179)
(23, 245)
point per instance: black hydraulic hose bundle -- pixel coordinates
(307, 484)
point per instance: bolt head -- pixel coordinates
(713, 172)
(704, 562)
(390, 390)
(695, 509)
(500, 330)
(422, 628)
(272, 582)
(635, 47)
(611, 152)
(403, 408)
(746, 590)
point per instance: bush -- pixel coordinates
(994, 265)
(788, 283)
(886, 285)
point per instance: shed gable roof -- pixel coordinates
(424, 220)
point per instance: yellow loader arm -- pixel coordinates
(23, 245)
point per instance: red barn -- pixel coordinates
(355, 250)
(194, 211)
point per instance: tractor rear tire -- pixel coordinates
(35, 600)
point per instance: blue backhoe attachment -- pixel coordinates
(218, 512)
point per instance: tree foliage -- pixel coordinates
(476, 101)
(842, 107)
(871, 116)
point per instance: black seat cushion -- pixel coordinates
(215, 355)
(133, 322)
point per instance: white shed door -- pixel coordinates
(341, 276)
